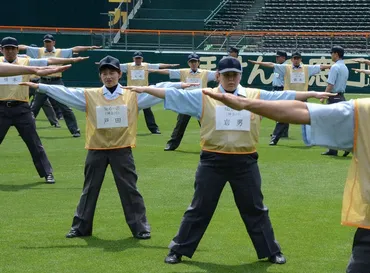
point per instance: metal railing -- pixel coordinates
(249, 41)
(215, 11)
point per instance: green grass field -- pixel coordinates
(302, 189)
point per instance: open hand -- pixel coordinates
(187, 85)
(30, 84)
(79, 59)
(46, 70)
(137, 89)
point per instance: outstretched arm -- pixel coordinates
(361, 61)
(289, 111)
(78, 49)
(159, 71)
(167, 65)
(265, 64)
(55, 61)
(7, 70)
(367, 72)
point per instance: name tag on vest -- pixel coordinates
(10, 80)
(297, 77)
(194, 80)
(111, 116)
(137, 75)
(228, 119)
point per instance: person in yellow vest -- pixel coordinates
(296, 76)
(228, 141)
(111, 124)
(14, 106)
(192, 75)
(138, 75)
(349, 130)
(48, 51)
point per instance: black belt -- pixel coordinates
(50, 78)
(10, 104)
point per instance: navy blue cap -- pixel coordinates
(9, 41)
(109, 61)
(193, 56)
(296, 54)
(138, 54)
(337, 49)
(49, 38)
(229, 64)
(281, 54)
(233, 49)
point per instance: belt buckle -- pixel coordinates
(8, 104)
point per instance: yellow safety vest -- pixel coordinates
(290, 75)
(356, 199)
(200, 77)
(228, 141)
(43, 54)
(115, 137)
(9, 88)
(137, 75)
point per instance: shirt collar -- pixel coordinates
(196, 72)
(16, 59)
(118, 90)
(340, 61)
(300, 66)
(236, 92)
(46, 51)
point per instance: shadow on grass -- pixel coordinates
(300, 147)
(55, 137)
(20, 187)
(144, 134)
(106, 245)
(256, 267)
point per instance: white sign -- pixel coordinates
(194, 80)
(11, 80)
(111, 116)
(137, 75)
(232, 120)
(297, 77)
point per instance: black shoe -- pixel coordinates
(143, 235)
(173, 258)
(156, 132)
(77, 133)
(345, 154)
(272, 143)
(277, 259)
(56, 125)
(169, 148)
(50, 179)
(73, 233)
(329, 153)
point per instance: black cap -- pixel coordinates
(193, 56)
(233, 49)
(228, 64)
(281, 54)
(138, 54)
(110, 62)
(337, 49)
(296, 54)
(9, 41)
(49, 38)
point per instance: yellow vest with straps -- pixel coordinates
(201, 77)
(9, 88)
(356, 198)
(289, 78)
(137, 75)
(115, 137)
(228, 141)
(43, 54)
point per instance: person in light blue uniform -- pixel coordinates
(337, 82)
(228, 162)
(331, 126)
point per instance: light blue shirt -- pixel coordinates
(175, 74)
(75, 97)
(281, 69)
(332, 125)
(338, 76)
(33, 62)
(278, 78)
(190, 102)
(150, 66)
(33, 52)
